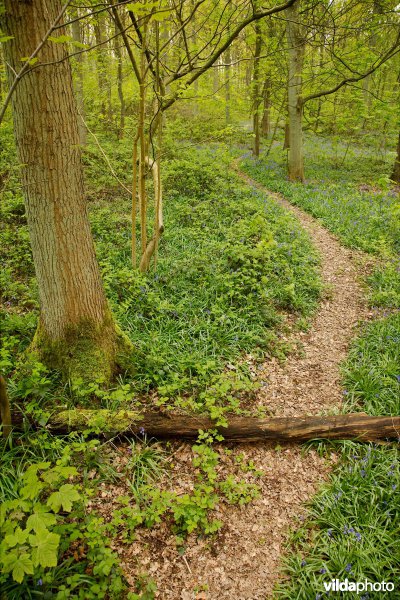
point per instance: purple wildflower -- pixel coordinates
(322, 571)
(40, 582)
(142, 430)
(303, 563)
(348, 568)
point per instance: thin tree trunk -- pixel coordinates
(266, 118)
(118, 55)
(75, 332)
(295, 105)
(395, 176)
(102, 74)
(256, 90)
(227, 68)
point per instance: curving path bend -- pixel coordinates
(243, 562)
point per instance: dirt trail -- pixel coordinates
(243, 562)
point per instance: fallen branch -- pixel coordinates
(356, 426)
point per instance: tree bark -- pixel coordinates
(122, 109)
(256, 90)
(295, 105)
(240, 429)
(395, 176)
(79, 94)
(266, 117)
(102, 71)
(76, 332)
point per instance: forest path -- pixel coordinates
(243, 562)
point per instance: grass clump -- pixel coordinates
(353, 528)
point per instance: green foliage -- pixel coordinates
(351, 198)
(353, 527)
(230, 262)
(50, 544)
(372, 370)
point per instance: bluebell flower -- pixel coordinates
(348, 568)
(303, 563)
(40, 582)
(330, 533)
(142, 430)
(322, 571)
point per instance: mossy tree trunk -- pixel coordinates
(76, 333)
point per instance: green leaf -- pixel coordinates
(32, 490)
(45, 547)
(18, 537)
(65, 496)
(40, 521)
(30, 61)
(23, 566)
(61, 39)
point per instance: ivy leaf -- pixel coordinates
(65, 496)
(45, 547)
(22, 566)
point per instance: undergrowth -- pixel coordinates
(231, 266)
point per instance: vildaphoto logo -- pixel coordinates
(336, 585)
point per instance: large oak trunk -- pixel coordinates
(75, 331)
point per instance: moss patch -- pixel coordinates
(87, 351)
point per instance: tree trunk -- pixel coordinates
(76, 333)
(227, 68)
(295, 105)
(102, 71)
(76, 34)
(356, 426)
(118, 55)
(266, 118)
(395, 176)
(256, 90)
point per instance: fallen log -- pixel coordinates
(357, 426)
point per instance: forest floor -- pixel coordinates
(243, 560)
